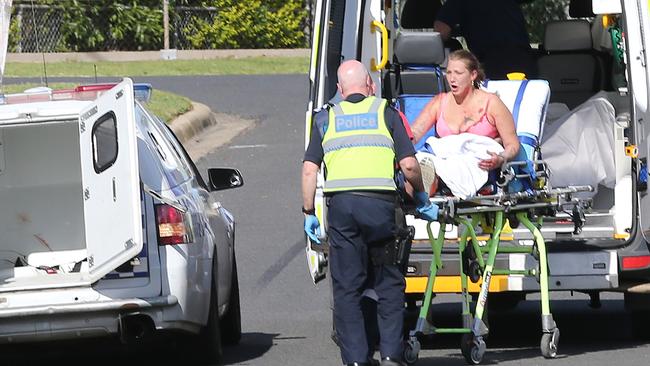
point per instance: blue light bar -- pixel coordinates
(142, 92)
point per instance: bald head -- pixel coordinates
(354, 78)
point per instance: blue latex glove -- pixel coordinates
(312, 228)
(425, 209)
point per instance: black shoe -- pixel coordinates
(373, 362)
(387, 361)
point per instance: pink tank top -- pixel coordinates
(483, 127)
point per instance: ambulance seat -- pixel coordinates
(416, 75)
(573, 69)
(418, 55)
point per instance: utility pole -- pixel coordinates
(166, 23)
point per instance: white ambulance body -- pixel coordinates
(611, 252)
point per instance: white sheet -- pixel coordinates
(579, 146)
(456, 159)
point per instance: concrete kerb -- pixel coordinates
(190, 124)
(201, 130)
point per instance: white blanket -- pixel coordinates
(456, 159)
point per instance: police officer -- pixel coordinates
(360, 139)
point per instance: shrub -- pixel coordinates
(250, 24)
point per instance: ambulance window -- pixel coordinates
(104, 135)
(334, 47)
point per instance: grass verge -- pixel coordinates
(164, 104)
(222, 66)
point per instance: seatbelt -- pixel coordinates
(524, 139)
(439, 77)
(528, 140)
(518, 99)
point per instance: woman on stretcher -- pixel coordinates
(475, 131)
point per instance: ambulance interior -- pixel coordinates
(585, 123)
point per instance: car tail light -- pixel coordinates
(174, 226)
(636, 262)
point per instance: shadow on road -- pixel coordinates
(515, 334)
(252, 346)
(110, 352)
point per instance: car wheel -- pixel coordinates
(231, 322)
(209, 347)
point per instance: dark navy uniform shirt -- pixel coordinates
(486, 24)
(402, 144)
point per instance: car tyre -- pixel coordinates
(231, 322)
(210, 351)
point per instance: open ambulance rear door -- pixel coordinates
(110, 180)
(343, 30)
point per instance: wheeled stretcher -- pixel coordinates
(522, 198)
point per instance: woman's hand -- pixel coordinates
(495, 161)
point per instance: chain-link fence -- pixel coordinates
(181, 21)
(51, 28)
(35, 28)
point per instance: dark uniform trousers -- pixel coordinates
(356, 223)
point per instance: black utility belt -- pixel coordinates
(387, 196)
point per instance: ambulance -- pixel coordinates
(593, 127)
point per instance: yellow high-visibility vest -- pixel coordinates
(358, 148)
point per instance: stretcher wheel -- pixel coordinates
(474, 271)
(472, 348)
(411, 351)
(549, 342)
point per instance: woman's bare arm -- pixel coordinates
(505, 124)
(499, 114)
(427, 118)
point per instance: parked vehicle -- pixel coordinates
(106, 225)
(611, 251)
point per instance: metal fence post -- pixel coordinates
(166, 23)
(19, 20)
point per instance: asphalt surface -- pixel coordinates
(286, 319)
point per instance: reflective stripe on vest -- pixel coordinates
(358, 147)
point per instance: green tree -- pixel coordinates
(99, 25)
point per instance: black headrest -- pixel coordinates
(419, 47)
(581, 9)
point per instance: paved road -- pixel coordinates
(286, 320)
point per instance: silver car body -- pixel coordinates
(121, 270)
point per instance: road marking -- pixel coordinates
(247, 146)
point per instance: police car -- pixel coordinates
(106, 226)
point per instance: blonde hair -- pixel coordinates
(472, 64)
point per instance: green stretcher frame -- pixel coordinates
(491, 209)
